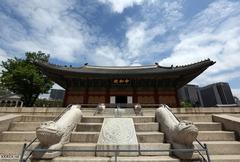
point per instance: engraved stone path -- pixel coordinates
(117, 133)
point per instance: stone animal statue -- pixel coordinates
(118, 112)
(179, 134)
(138, 109)
(53, 135)
(100, 108)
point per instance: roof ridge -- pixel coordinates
(124, 67)
(206, 60)
(120, 67)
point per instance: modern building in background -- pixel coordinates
(57, 94)
(190, 93)
(217, 94)
(237, 101)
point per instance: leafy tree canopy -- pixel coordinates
(22, 77)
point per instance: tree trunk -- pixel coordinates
(33, 99)
(27, 101)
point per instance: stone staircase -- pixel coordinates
(221, 144)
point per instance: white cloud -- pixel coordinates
(109, 56)
(141, 35)
(236, 92)
(159, 17)
(119, 5)
(213, 15)
(136, 37)
(207, 78)
(51, 29)
(140, 38)
(3, 55)
(213, 33)
(54, 28)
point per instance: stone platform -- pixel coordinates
(220, 138)
(117, 133)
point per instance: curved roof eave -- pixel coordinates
(127, 70)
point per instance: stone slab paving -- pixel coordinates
(117, 133)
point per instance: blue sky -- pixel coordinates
(127, 32)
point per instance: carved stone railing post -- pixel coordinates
(100, 109)
(52, 135)
(179, 134)
(138, 109)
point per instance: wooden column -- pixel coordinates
(177, 99)
(65, 98)
(134, 92)
(85, 96)
(156, 98)
(66, 94)
(107, 93)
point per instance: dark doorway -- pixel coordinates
(121, 99)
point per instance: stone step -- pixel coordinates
(24, 126)
(225, 158)
(99, 119)
(154, 146)
(148, 159)
(143, 137)
(214, 158)
(96, 127)
(195, 117)
(216, 136)
(17, 136)
(208, 126)
(143, 119)
(146, 127)
(36, 118)
(150, 137)
(79, 146)
(92, 137)
(222, 147)
(13, 148)
(89, 127)
(119, 159)
(92, 146)
(84, 137)
(80, 159)
(92, 119)
(220, 151)
(87, 137)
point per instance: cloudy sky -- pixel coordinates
(127, 32)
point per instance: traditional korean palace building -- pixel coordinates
(152, 84)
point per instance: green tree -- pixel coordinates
(3, 91)
(186, 104)
(22, 77)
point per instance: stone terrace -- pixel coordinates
(219, 129)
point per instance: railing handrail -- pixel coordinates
(112, 150)
(116, 151)
(204, 146)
